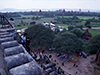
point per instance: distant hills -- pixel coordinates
(22, 10)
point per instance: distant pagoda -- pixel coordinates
(86, 35)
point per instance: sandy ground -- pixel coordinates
(84, 65)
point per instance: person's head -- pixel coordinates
(50, 56)
(54, 60)
(59, 67)
(42, 51)
(27, 37)
(25, 34)
(11, 19)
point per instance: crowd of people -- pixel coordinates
(46, 59)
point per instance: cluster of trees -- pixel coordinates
(63, 42)
(69, 20)
(93, 44)
(9, 15)
(52, 13)
(40, 36)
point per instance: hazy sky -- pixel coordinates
(49, 4)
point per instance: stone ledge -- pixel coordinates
(6, 39)
(13, 51)
(16, 60)
(27, 69)
(9, 44)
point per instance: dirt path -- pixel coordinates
(23, 29)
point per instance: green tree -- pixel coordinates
(87, 24)
(77, 32)
(32, 23)
(70, 27)
(40, 35)
(94, 44)
(67, 43)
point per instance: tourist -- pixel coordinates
(46, 57)
(94, 69)
(57, 62)
(23, 39)
(59, 70)
(62, 73)
(28, 43)
(63, 63)
(52, 59)
(42, 58)
(28, 40)
(74, 64)
(76, 73)
(12, 22)
(77, 65)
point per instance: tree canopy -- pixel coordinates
(40, 35)
(67, 43)
(77, 31)
(94, 44)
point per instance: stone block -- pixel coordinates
(9, 44)
(27, 69)
(6, 35)
(13, 50)
(48, 70)
(49, 65)
(6, 39)
(16, 60)
(53, 73)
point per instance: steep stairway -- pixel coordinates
(14, 59)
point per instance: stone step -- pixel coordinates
(9, 44)
(7, 35)
(16, 60)
(4, 33)
(4, 26)
(6, 39)
(27, 69)
(8, 30)
(13, 51)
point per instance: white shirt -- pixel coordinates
(24, 38)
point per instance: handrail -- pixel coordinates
(27, 46)
(2, 16)
(7, 21)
